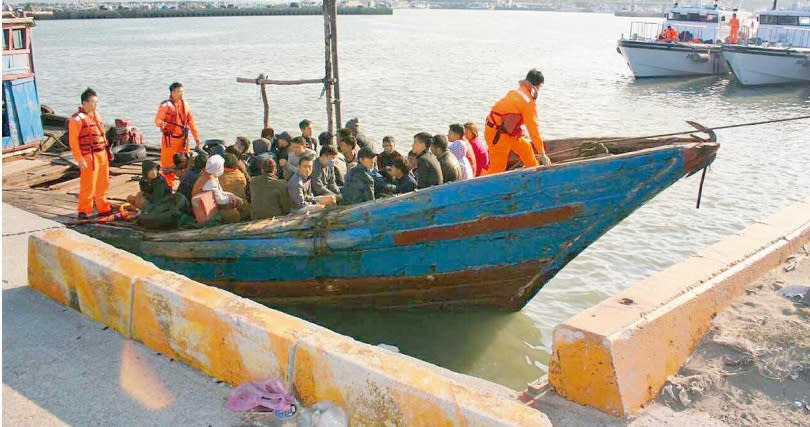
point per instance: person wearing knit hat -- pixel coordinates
(269, 195)
(261, 148)
(280, 148)
(226, 202)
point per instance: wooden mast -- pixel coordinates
(328, 87)
(334, 45)
(330, 80)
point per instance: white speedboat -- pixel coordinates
(780, 52)
(701, 31)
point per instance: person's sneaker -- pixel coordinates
(82, 216)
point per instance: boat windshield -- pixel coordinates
(692, 17)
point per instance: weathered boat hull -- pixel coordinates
(488, 242)
(753, 65)
(652, 59)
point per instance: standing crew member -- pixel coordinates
(90, 149)
(175, 120)
(503, 132)
(734, 31)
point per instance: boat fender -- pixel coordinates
(698, 57)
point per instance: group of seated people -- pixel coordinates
(670, 35)
(278, 174)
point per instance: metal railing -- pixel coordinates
(783, 37)
(649, 31)
(644, 31)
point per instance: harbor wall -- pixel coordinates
(237, 340)
(187, 13)
(617, 355)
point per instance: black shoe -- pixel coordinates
(82, 216)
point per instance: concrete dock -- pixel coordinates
(61, 368)
(132, 364)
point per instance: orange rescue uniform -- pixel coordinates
(516, 108)
(670, 35)
(734, 33)
(174, 118)
(87, 141)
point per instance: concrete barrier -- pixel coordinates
(237, 340)
(617, 355)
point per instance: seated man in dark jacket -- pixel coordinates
(192, 173)
(323, 173)
(270, 197)
(403, 178)
(451, 170)
(428, 170)
(359, 185)
(386, 158)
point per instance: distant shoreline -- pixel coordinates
(188, 13)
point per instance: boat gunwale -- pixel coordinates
(293, 223)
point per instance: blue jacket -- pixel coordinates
(358, 186)
(406, 184)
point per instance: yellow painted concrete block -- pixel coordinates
(88, 275)
(617, 355)
(226, 336)
(378, 387)
(237, 340)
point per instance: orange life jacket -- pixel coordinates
(507, 123)
(91, 134)
(176, 126)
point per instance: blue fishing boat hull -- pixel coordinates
(491, 242)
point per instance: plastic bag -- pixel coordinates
(323, 414)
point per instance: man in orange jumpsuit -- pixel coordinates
(503, 131)
(90, 150)
(669, 35)
(175, 120)
(734, 31)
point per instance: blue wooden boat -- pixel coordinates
(22, 124)
(488, 242)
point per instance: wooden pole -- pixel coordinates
(279, 82)
(266, 104)
(327, 35)
(335, 73)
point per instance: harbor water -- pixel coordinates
(420, 70)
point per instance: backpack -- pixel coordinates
(124, 133)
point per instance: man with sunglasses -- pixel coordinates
(504, 133)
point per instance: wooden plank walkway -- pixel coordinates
(41, 185)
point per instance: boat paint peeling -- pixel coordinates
(485, 225)
(380, 254)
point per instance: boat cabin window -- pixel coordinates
(692, 17)
(18, 38)
(788, 20)
(804, 20)
(781, 20)
(5, 39)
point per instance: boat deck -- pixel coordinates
(47, 185)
